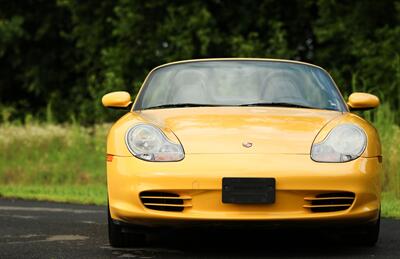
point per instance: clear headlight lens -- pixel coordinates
(149, 143)
(344, 143)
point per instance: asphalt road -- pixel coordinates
(54, 230)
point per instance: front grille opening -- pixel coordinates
(330, 202)
(329, 209)
(164, 201)
(336, 194)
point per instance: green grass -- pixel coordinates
(53, 162)
(45, 154)
(67, 162)
(84, 194)
(384, 120)
(389, 132)
(390, 205)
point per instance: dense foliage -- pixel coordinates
(58, 57)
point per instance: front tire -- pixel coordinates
(118, 238)
(371, 234)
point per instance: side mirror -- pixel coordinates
(362, 101)
(120, 99)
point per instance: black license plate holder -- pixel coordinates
(248, 190)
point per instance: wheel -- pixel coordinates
(366, 235)
(371, 234)
(118, 238)
(115, 235)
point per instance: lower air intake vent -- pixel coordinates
(164, 201)
(328, 202)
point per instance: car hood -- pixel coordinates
(228, 130)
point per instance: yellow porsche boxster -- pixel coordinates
(237, 141)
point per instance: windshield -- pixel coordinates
(239, 83)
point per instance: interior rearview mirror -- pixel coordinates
(362, 101)
(120, 99)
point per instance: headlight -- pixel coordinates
(344, 143)
(149, 143)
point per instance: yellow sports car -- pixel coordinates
(237, 141)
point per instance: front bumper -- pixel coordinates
(199, 178)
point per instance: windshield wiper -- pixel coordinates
(278, 104)
(181, 105)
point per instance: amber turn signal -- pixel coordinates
(109, 158)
